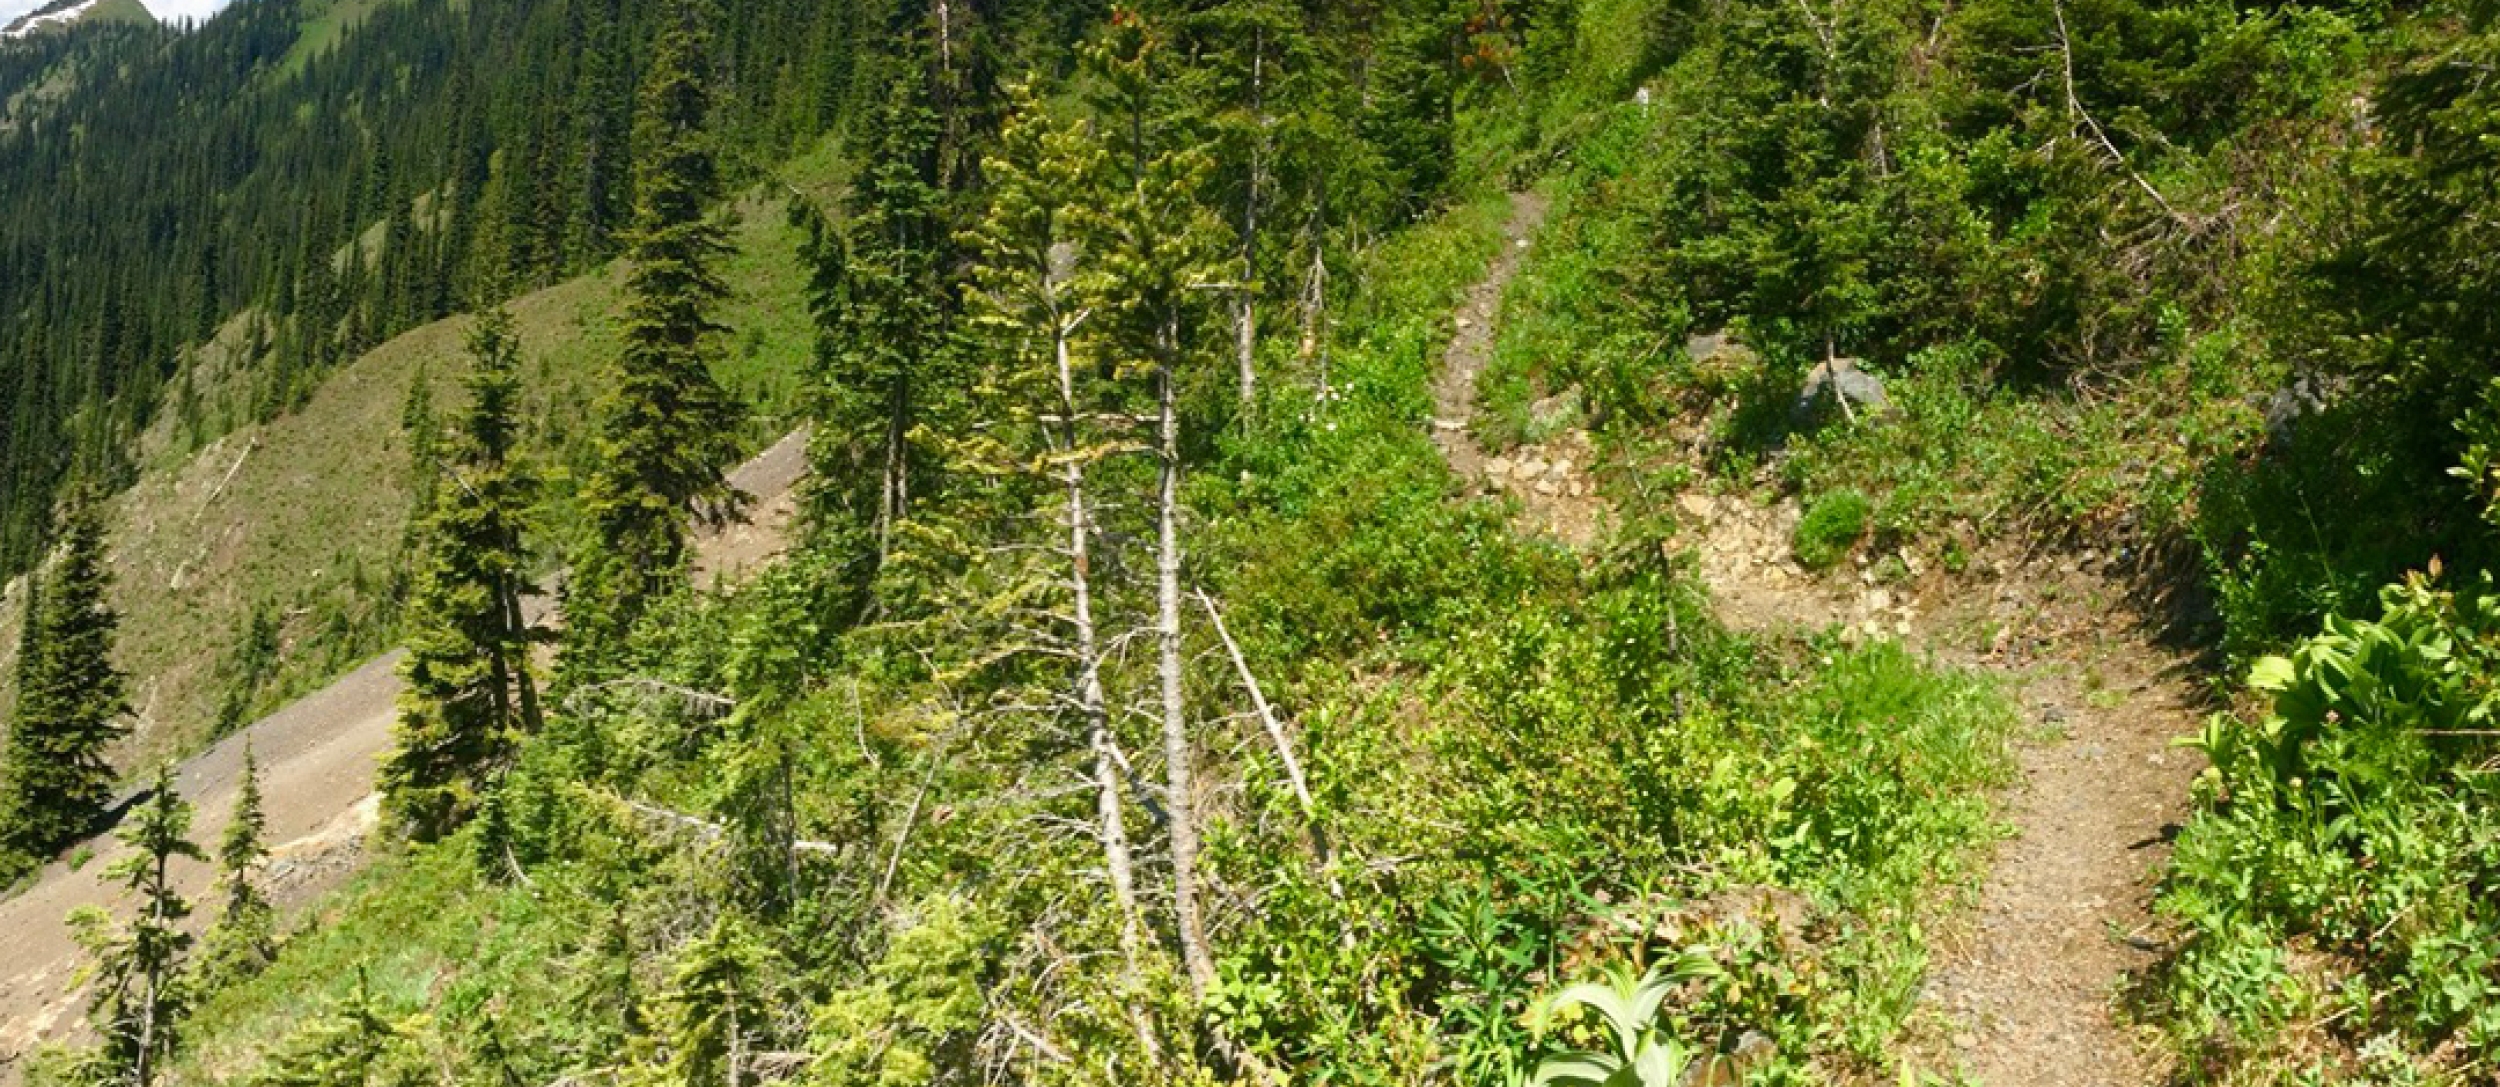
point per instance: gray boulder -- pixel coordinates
(1717, 348)
(1565, 410)
(2293, 405)
(1838, 389)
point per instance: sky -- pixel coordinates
(167, 10)
(177, 10)
(11, 9)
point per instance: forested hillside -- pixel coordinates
(1394, 542)
(463, 153)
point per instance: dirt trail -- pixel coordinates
(317, 762)
(1454, 391)
(2024, 985)
(1550, 480)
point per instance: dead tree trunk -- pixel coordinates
(1245, 300)
(1112, 826)
(1180, 801)
(894, 485)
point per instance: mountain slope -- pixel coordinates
(296, 524)
(317, 758)
(63, 14)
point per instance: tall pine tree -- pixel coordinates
(469, 691)
(54, 781)
(713, 1009)
(668, 428)
(885, 310)
(1159, 245)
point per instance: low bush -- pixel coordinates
(1831, 528)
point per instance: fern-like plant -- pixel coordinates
(1642, 1055)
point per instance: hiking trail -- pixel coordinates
(2023, 988)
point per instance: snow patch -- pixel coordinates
(18, 18)
(29, 25)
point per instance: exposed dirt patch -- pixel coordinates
(317, 758)
(773, 479)
(1552, 483)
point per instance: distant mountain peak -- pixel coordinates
(19, 18)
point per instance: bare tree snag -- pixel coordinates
(1320, 853)
(2075, 112)
(1179, 786)
(1245, 300)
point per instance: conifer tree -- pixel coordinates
(469, 691)
(713, 1009)
(668, 427)
(355, 1045)
(1032, 303)
(139, 998)
(243, 940)
(1159, 246)
(1265, 82)
(602, 112)
(884, 311)
(600, 985)
(69, 701)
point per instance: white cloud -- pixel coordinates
(11, 9)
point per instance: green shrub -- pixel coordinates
(2351, 825)
(1830, 528)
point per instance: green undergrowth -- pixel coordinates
(1830, 529)
(1527, 767)
(2338, 891)
(2058, 378)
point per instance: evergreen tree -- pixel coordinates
(886, 307)
(139, 999)
(600, 985)
(469, 691)
(713, 1009)
(243, 941)
(669, 427)
(1030, 303)
(1159, 248)
(54, 781)
(355, 1045)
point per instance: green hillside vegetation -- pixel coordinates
(2149, 283)
(324, 24)
(1506, 652)
(1146, 700)
(120, 11)
(161, 182)
(244, 587)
